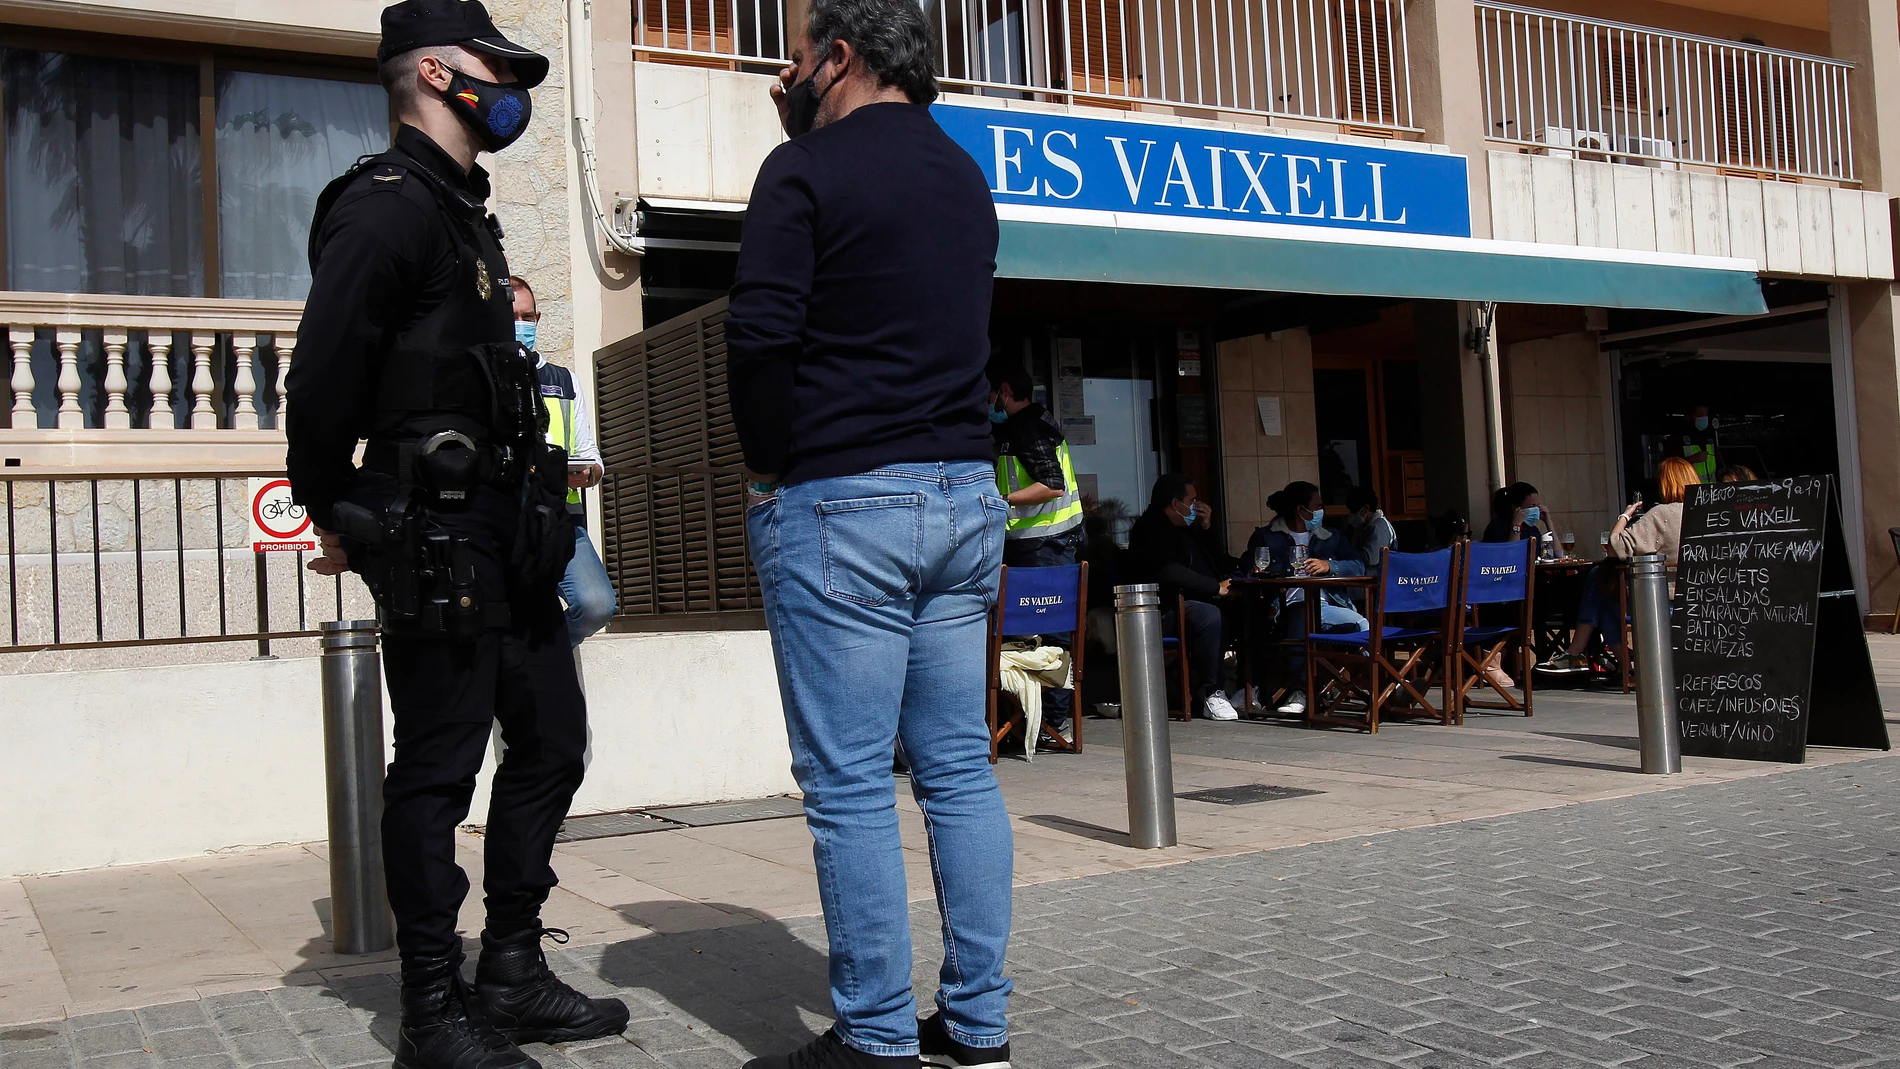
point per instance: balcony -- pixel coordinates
(1597, 90)
(1340, 62)
(145, 383)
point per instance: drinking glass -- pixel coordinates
(1570, 544)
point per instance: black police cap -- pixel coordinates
(415, 24)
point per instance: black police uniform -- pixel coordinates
(405, 263)
(457, 523)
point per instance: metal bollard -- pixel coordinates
(1145, 754)
(360, 921)
(1656, 726)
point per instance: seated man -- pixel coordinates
(1370, 533)
(1169, 545)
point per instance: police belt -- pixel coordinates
(489, 465)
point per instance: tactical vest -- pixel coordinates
(558, 394)
(1053, 517)
(457, 367)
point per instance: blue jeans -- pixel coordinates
(877, 592)
(586, 590)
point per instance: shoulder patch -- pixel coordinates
(397, 177)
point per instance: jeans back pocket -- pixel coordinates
(872, 546)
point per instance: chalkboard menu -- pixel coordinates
(1769, 652)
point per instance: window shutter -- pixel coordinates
(1367, 67)
(673, 502)
(1758, 120)
(692, 25)
(1098, 47)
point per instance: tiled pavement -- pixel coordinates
(1754, 922)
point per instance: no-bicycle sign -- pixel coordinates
(278, 523)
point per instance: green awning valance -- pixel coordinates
(1283, 259)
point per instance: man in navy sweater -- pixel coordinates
(856, 349)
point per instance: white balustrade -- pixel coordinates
(70, 414)
(158, 349)
(284, 342)
(118, 417)
(115, 324)
(203, 417)
(245, 346)
(1337, 61)
(20, 340)
(1600, 90)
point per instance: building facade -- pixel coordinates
(1425, 246)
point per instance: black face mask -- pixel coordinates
(497, 113)
(801, 103)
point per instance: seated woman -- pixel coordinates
(1658, 531)
(1516, 512)
(1299, 520)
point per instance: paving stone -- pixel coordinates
(1663, 931)
(179, 1044)
(261, 1047)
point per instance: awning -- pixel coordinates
(1087, 246)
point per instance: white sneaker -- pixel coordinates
(1295, 703)
(1219, 708)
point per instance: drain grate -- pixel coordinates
(702, 816)
(1246, 794)
(608, 825)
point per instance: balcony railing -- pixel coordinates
(1609, 91)
(1334, 61)
(105, 361)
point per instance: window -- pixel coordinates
(280, 140)
(106, 164)
(102, 175)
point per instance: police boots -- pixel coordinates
(442, 1023)
(529, 1004)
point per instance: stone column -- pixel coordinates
(1451, 388)
(531, 177)
(1866, 33)
(1447, 91)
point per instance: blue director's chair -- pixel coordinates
(1501, 574)
(1404, 653)
(1039, 601)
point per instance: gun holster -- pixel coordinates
(422, 577)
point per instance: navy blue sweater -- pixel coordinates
(859, 328)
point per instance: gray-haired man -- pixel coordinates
(857, 343)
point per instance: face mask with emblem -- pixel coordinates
(497, 113)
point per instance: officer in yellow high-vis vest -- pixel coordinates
(586, 590)
(1035, 475)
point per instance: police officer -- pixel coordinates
(457, 524)
(586, 589)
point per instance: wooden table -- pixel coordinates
(1261, 587)
(1554, 634)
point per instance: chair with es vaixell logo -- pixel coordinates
(1358, 678)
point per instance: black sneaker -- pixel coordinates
(942, 1050)
(830, 1052)
(526, 1002)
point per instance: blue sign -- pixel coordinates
(1071, 161)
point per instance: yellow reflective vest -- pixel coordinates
(1052, 517)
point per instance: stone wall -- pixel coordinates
(1254, 463)
(531, 178)
(1557, 405)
